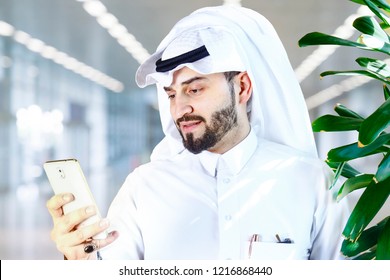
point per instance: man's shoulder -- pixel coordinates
(273, 150)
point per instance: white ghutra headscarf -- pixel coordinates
(236, 39)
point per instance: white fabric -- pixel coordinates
(237, 39)
(177, 209)
(207, 206)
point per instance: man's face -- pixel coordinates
(204, 110)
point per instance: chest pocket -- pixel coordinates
(276, 251)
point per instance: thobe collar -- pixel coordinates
(234, 159)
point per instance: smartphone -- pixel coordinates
(66, 175)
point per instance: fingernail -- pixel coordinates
(67, 197)
(90, 210)
(104, 223)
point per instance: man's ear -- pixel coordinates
(245, 87)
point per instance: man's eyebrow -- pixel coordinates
(187, 82)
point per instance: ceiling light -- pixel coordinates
(48, 52)
(107, 20)
(35, 45)
(139, 54)
(6, 29)
(71, 63)
(22, 37)
(232, 2)
(127, 40)
(97, 77)
(94, 8)
(117, 30)
(61, 58)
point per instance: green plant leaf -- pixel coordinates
(386, 92)
(361, 2)
(318, 38)
(374, 65)
(375, 6)
(367, 256)
(336, 123)
(345, 112)
(338, 172)
(361, 243)
(382, 4)
(374, 124)
(379, 3)
(383, 25)
(368, 205)
(368, 25)
(354, 183)
(347, 171)
(374, 43)
(367, 240)
(383, 171)
(367, 73)
(383, 247)
(353, 151)
(370, 43)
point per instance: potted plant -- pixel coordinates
(362, 241)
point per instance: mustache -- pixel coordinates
(190, 118)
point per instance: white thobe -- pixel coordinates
(210, 206)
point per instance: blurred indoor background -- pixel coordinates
(67, 91)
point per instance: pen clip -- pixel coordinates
(286, 240)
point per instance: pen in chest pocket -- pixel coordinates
(286, 240)
(255, 238)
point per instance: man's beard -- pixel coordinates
(221, 123)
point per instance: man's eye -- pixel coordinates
(171, 96)
(195, 91)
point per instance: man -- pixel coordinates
(237, 175)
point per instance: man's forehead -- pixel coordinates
(186, 75)
(186, 72)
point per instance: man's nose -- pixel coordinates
(182, 106)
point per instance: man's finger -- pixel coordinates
(55, 203)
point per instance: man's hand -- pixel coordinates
(69, 238)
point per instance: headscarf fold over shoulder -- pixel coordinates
(237, 39)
